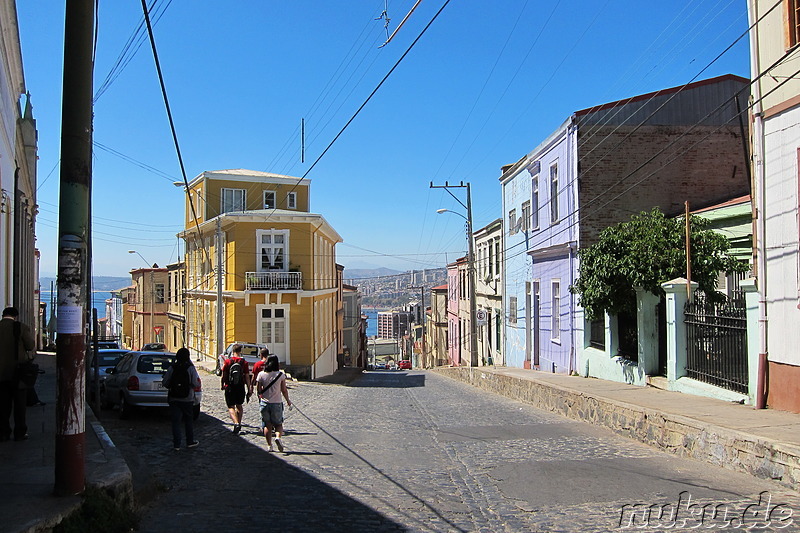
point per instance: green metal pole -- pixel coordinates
(73, 222)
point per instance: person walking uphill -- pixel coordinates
(237, 385)
(181, 380)
(16, 340)
(271, 385)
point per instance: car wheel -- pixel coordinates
(196, 413)
(125, 409)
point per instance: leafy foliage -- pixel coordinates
(646, 252)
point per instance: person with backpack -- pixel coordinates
(237, 385)
(181, 380)
(271, 384)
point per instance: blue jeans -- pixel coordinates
(182, 412)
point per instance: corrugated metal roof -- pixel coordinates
(708, 102)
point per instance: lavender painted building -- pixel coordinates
(599, 167)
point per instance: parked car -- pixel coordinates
(105, 359)
(136, 381)
(250, 353)
(106, 345)
(404, 364)
(380, 366)
(154, 347)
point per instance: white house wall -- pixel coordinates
(781, 140)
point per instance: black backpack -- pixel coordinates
(236, 374)
(180, 384)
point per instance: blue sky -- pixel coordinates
(484, 85)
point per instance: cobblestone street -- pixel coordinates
(414, 451)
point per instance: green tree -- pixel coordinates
(645, 252)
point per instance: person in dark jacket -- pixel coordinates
(16, 340)
(182, 408)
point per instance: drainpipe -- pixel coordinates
(759, 203)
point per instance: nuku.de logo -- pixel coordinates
(687, 514)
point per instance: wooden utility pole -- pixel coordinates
(473, 340)
(73, 224)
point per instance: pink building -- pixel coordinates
(456, 327)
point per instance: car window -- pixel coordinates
(154, 364)
(250, 350)
(109, 359)
(124, 364)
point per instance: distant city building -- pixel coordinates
(393, 324)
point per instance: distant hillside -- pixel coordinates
(362, 273)
(99, 283)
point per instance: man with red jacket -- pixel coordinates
(237, 385)
(258, 366)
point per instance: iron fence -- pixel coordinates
(717, 341)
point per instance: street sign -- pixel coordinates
(158, 329)
(481, 316)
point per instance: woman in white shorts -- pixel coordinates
(271, 384)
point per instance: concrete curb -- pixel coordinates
(680, 435)
(106, 468)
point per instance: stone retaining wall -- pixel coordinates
(673, 433)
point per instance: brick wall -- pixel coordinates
(705, 166)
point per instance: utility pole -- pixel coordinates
(73, 222)
(220, 326)
(473, 341)
(152, 305)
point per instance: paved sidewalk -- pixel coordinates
(27, 468)
(764, 443)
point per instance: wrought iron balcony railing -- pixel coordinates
(273, 281)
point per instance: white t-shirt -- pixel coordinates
(272, 394)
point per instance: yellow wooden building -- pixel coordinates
(278, 269)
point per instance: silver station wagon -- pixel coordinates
(136, 381)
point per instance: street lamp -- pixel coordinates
(473, 343)
(140, 255)
(152, 295)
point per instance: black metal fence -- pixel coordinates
(717, 341)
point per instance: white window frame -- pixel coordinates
(512, 221)
(274, 200)
(228, 197)
(535, 202)
(526, 215)
(554, 212)
(555, 305)
(272, 232)
(291, 200)
(512, 310)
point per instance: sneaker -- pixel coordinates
(271, 448)
(177, 448)
(279, 444)
(237, 428)
(194, 444)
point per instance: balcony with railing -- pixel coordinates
(273, 281)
